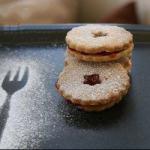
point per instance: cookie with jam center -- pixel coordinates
(93, 86)
(99, 43)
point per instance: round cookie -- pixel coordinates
(93, 39)
(101, 58)
(124, 61)
(94, 86)
(99, 43)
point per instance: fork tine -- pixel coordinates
(17, 75)
(7, 77)
(25, 76)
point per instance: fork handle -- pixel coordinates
(4, 114)
(8, 97)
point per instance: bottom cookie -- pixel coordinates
(101, 107)
(98, 108)
(93, 86)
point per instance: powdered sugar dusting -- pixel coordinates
(31, 113)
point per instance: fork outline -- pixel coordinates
(11, 87)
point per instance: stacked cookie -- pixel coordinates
(97, 66)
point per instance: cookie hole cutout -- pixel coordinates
(98, 34)
(106, 78)
(92, 79)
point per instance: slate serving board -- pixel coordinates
(38, 117)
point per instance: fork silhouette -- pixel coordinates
(11, 87)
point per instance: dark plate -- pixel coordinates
(38, 117)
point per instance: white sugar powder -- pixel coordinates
(31, 112)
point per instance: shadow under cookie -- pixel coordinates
(73, 116)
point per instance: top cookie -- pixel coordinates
(98, 38)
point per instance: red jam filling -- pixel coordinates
(104, 53)
(92, 79)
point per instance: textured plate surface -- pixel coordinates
(40, 118)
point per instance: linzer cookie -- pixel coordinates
(100, 43)
(93, 86)
(97, 63)
(124, 61)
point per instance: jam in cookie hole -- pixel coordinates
(92, 79)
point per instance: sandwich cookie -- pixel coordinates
(99, 43)
(124, 61)
(93, 86)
